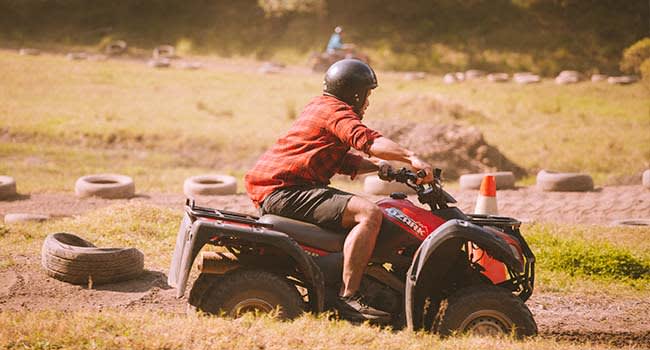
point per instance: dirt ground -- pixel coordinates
(597, 317)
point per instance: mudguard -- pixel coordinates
(194, 234)
(435, 256)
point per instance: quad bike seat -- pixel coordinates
(306, 233)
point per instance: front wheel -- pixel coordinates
(243, 291)
(485, 310)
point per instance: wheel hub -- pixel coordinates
(487, 323)
(254, 305)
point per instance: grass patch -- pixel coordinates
(148, 228)
(593, 253)
(149, 330)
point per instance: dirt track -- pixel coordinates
(597, 317)
(602, 206)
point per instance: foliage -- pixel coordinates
(282, 7)
(537, 35)
(635, 55)
(585, 256)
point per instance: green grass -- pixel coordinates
(567, 256)
(63, 119)
(591, 257)
(153, 230)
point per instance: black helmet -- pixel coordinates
(349, 80)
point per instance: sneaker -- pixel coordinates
(353, 308)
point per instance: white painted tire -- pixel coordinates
(498, 77)
(77, 56)
(526, 78)
(111, 186)
(564, 182)
(598, 77)
(164, 51)
(473, 74)
(374, 185)
(29, 52)
(504, 180)
(116, 48)
(623, 80)
(7, 187)
(14, 218)
(210, 185)
(645, 179)
(159, 63)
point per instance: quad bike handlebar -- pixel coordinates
(431, 194)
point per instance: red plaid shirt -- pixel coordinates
(314, 149)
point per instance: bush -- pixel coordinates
(645, 70)
(635, 55)
(588, 258)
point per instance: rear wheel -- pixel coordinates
(242, 291)
(485, 310)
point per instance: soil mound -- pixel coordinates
(454, 148)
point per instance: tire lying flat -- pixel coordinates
(210, 185)
(110, 186)
(72, 259)
(564, 182)
(504, 180)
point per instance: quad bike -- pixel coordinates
(319, 62)
(436, 269)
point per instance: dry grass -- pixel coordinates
(63, 119)
(113, 330)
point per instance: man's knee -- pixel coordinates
(361, 210)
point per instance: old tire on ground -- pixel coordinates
(110, 186)
(210, 185)
(242, 291)
(504, 180)
(372, 184)
(631, 222)
(564, 182)
(485, 310)
(14, 218)
(115, 48)
(72, 259)
(7, 187)
(645, 179)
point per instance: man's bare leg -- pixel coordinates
(364, 217)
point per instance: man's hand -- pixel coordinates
(384, 169)
(420, 164)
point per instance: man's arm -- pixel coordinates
(388, 149)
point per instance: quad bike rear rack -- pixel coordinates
(521, 283)
(196, 211)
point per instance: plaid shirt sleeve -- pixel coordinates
(350, 165)
(348, 128)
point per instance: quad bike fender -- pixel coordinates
(194, 234)
(437, 254)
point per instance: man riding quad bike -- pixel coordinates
(317, 248)
(336, 51)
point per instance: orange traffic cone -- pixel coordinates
(486, 203)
